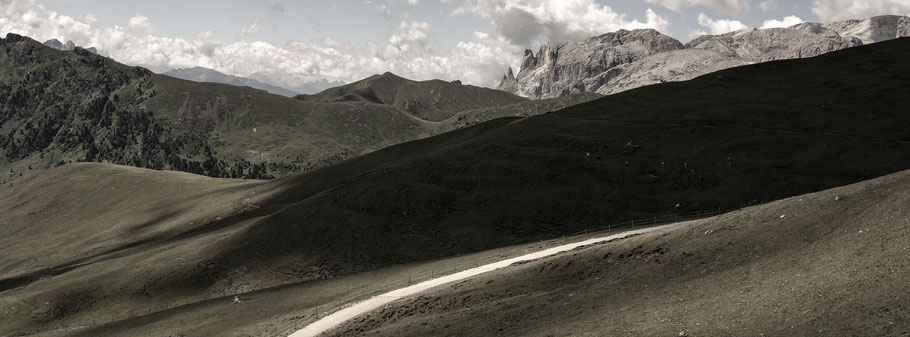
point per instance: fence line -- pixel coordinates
(298, 321)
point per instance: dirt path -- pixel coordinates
(331, 321)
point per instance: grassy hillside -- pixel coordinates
(61, 107)
(823, 264)
(90, 239)
(432, 100)
(250, 125)
(740, 136)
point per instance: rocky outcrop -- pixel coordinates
(761, 45)
(625, 60)
(54, 43)
(561, 68)
(874, 29)
(68, 46)
(677, 65)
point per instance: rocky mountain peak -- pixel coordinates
(54, 43)
(874, 29)
(527, 61)
(68, 46)
(558, 68)
(604, 63)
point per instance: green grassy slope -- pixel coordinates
(90, 240)
(87, 237)
(831, 263)
(251, 125)
(61, 107)
(433, 100)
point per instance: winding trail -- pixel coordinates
(337, 318)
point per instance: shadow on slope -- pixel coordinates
(828, 263)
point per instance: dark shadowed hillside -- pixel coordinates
(743, 135)
(823, 264)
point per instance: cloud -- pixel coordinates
(275, 13)
(409, 35)
(720, 26)
(834, 10)
(278, 8)
(786, 22)
(381, 8)
(693, 33)
(209, 42)
(252, 29)
(413, 2)
(141, 23)
(734, 7)
(524, 22)
(768, 5)
(479, 60)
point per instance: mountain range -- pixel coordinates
(623, 60)
(200, 74)
(299, 85)
(62, 107)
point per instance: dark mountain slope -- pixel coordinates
(432, 100)
(56, 102)
(822, 264)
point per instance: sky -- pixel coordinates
(474, 41)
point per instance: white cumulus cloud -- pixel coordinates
(833, 10)
(407, 51)
(410, 35)
(524, 22)
(719, 26)
(693, 33)
(735, 7)
(252, 29)
(140, 22)
(768, 5)
(786, 22)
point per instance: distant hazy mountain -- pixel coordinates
(624, 60)
(299, 85)
(200, 74)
